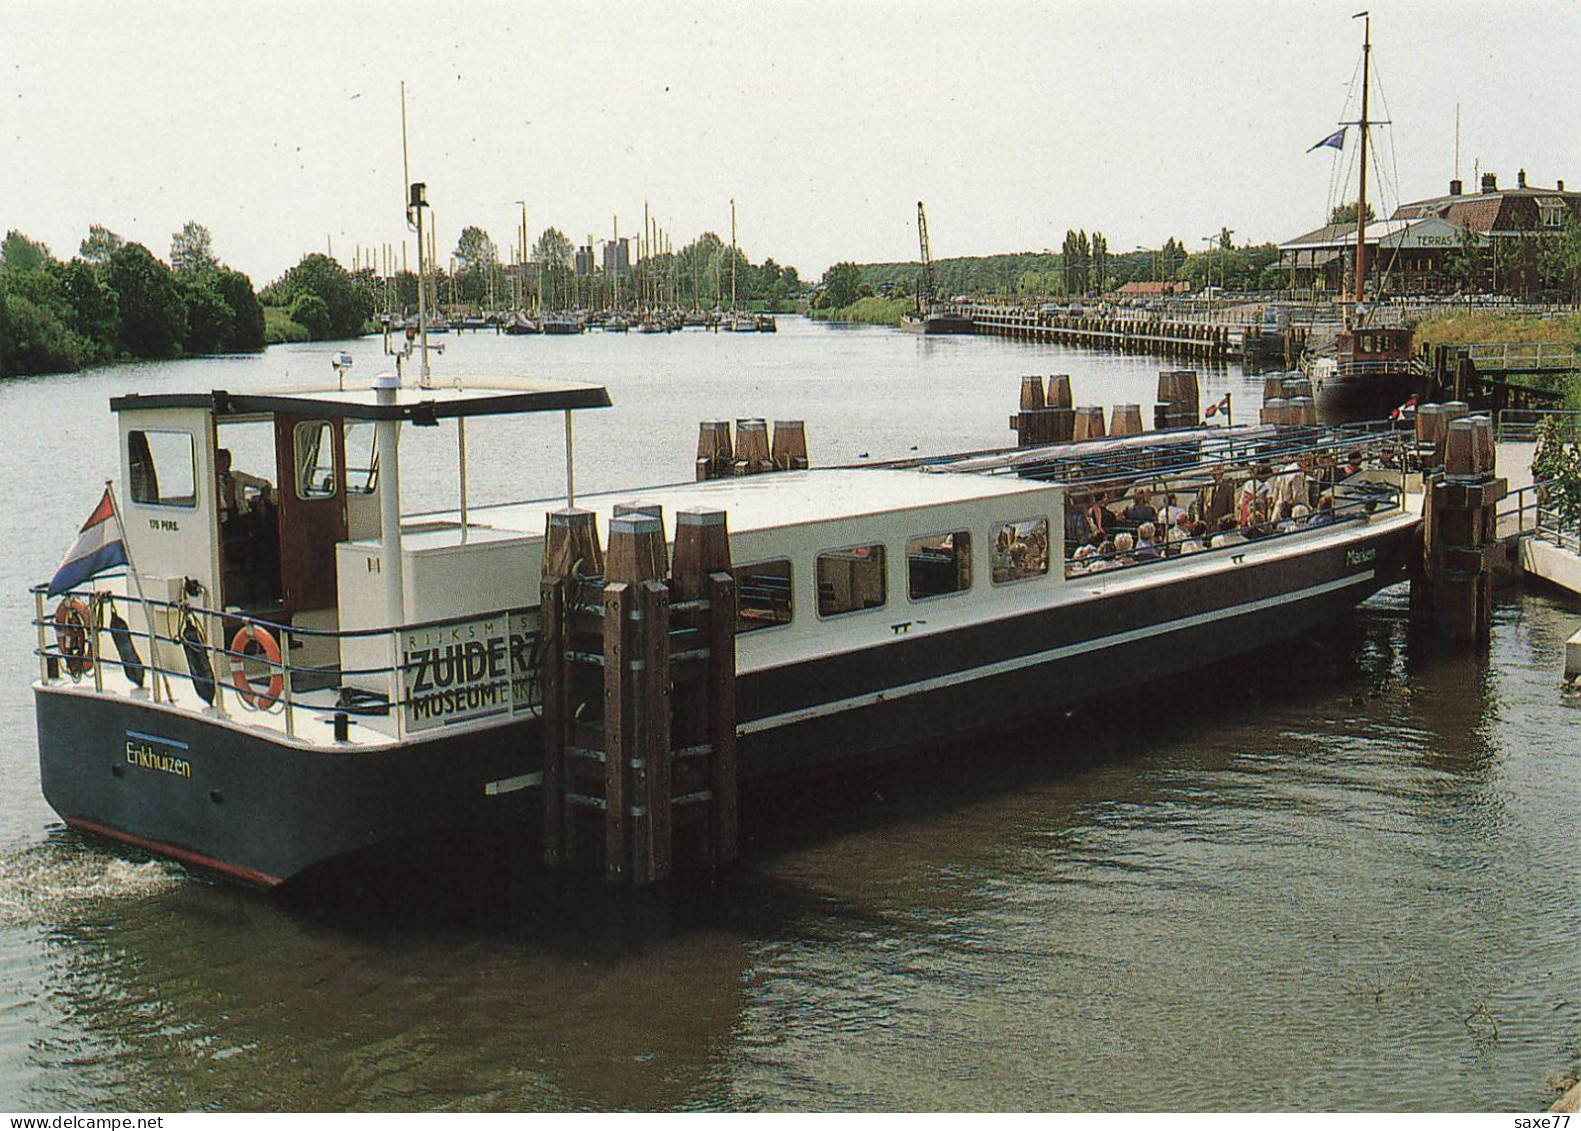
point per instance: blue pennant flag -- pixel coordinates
(1335, 140)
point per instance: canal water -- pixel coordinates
(1341, 875)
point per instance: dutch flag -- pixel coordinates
(99, 546)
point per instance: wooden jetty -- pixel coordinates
(1486, 374)
(1165, 338)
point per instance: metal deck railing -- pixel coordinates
(255, 685)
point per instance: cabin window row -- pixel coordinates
(853, 579)
(163, 463)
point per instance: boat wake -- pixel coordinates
(42, 882)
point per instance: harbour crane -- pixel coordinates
(925, 283)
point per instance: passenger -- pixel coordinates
(1324, 514)
(1100, 523)
(1198, 541)
(1260, 523)
(1124, 546)
(1290, 485)
(1229, 533)
(1172, 513)
(1351, 466)
(1146, 548)
(1103, 559)
(1178, 533)
(234, 485)
(1141, 509)
(1282, 520)
(1083, 559)
(1256, 486)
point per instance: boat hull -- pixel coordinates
(938, 324)
(236, 801)
(1346, 397)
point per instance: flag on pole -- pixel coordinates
(99, 546)
(1215, 409)
(1335, 140)
(1403, 409)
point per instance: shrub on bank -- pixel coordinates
(872, 311)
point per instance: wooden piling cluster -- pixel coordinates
(639, 766)
(1288, 400)
(1460, 520)
(1179, 403)
(752, 452)
(1045, 417)
(1200, 340)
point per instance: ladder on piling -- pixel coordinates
(639, 697)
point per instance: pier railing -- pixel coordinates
(1522, 425)
(392, 681)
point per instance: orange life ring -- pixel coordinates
(71, 634)
(251, 640)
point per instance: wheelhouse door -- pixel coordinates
(310, 455)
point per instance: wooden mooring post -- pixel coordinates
(1455, 582)
(639, 698)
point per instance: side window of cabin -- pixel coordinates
(850, 580)
(1021, 550)
(763, 595)
(362, 465)
(314, 444)
(163, 468)
(938, 564)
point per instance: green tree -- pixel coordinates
(209, 316)
(1100, 263)
(99, 244)
(1346, 214)
(840, 283)
(95, 307)
(246, 332)
(476, 259)
(192, 250)
(1559, 258)
(1463, 262)
(348, 305)
(18, 253)
(153, 317)
(311, 312)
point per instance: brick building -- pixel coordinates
(1489, 239)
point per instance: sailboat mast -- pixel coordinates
(732, 255)
(1361, 202)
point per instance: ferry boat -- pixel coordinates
(289, 673)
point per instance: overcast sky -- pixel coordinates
(278, 126)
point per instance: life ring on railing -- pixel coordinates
(71, 634)
(251, 640)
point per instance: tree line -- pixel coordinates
(1084, 266)
(116, 300)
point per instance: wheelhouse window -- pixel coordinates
(763, 595)
(163, 468)
(362, 462)
(1021, 550)
(851, 580)
(314, 444)
(939, 564)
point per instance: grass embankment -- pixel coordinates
(873, 311)
(278, 327)
(1476, 327)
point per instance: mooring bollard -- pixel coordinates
(1460, 530)
(789, 450)
(714, 452)
(752, 447)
